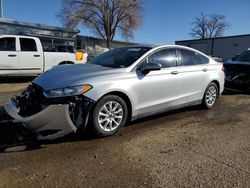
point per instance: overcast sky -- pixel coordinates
(165, 21)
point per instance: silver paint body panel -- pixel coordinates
(149, 93)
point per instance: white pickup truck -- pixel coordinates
(24, 56)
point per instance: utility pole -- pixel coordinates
(1, 8)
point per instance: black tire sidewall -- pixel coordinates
(94, 119)
(207, 106)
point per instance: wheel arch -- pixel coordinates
(217, 84)
(125, 98)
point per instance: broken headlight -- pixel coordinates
(67, 91)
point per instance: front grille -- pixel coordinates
(31, 101)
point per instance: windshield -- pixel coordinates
(244, 57)
(120, 57)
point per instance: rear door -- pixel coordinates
(8, 56)
(194, 70)
(30, 56)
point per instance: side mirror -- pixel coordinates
(150, 67)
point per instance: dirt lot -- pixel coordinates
(184, 148)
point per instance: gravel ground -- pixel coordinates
(185, 148)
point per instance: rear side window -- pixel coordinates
(188, 57)
(8, 44)
(28, 45)
(166, 57)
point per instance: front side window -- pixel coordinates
(188, 57)
(8, 44)
(166, 57)
(28, 45)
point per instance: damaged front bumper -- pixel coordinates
(49, 119)
(51, 123)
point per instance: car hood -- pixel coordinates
(71, 75)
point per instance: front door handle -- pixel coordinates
(36, 55)
(12, 55)
(174, 72)
(205, 70)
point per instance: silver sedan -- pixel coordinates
(118, 86)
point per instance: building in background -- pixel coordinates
(57, 36)
(49, 35)
(223, 47)
(95, 45)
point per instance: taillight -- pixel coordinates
(222, 68)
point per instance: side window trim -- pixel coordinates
(178, 54)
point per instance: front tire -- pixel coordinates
(210, 96)
(109, 115)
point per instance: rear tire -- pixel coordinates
(109, 115)
(210, 96)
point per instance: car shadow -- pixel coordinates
(15, 79)
(13, 134)
(14, 137)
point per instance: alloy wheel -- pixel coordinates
(110, 116)
(211, 95)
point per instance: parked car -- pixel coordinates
(24, 56)
(237, 72)
(118, 86)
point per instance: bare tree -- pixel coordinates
(208, 26)
(105, 17)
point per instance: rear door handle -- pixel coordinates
(205, 70)
(12, 55)
(174, 72)
(36, 55)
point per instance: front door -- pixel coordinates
(158, 90)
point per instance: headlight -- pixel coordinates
(67, 91)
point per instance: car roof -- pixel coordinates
(23, 36)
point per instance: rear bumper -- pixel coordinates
(54, 119)
(237, 85)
